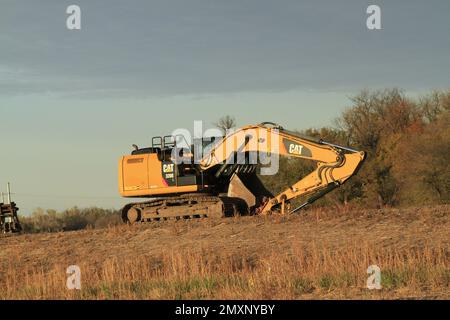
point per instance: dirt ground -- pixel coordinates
(399, 229)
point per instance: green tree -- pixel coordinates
(374, 124)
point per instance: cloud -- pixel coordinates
(201, 47)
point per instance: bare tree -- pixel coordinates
(225, 123)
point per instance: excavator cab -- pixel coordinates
(153, 170)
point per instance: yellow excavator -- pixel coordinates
(222, 181)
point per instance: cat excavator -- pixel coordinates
(218, 177)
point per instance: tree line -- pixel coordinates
(407, 141)
(69, 220)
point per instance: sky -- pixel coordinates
(73, 101)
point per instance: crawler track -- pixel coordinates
(183, 207)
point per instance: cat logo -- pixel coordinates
(168, 173)
(168, 168)
(295, 149)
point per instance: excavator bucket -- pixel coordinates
(249, 188)
(237, 189)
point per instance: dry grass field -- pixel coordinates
(319, 254)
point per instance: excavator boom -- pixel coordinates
(335, 164)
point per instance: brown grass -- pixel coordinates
(319, 255)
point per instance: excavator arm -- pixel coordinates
(335, 164)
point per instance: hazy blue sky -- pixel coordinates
(71, 102)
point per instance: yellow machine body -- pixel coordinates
(145, 175)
